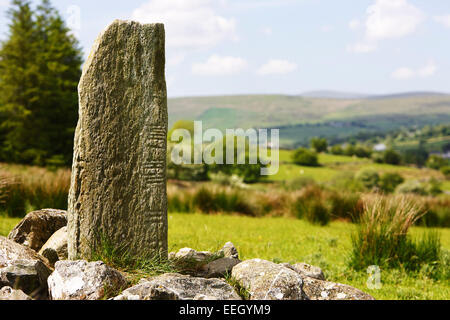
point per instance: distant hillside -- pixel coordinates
(301, 118)
(334, 95)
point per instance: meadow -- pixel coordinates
(291, 240)
(266, 220)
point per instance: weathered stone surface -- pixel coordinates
(324, 290)
(81, 280)
(118, 187)
(218, 268)
(307, 270)
(188, 255)
(51, 255)
(22, 268)
(180, 287)
(29, 276)
(8, 293)
(229, 251)
(266, 280)
(37, 227)
(58, 243)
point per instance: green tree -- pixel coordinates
(305, 157)
(369, 178)
(337, 150)
(436, 162)
(18, 78)
(319, 144)
(390, 181)
(41, 67)
(392, 157)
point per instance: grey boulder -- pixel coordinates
(265, 280)
(24, 269)
(57, 243)
(307, 270)
(325, 290)
(229, 251)
(37, 227)
(81, 280)
(173, 286)
(10, 294)
(218, 268)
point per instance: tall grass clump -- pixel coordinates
(346, 206)
(32, 188)
(382, 238)
(311, 205)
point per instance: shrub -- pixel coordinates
(392, 157)
(311, 205)
(436, 162)
(433, 187)
(377, 157)
(417, 156)
(437, 212)
(350, 150)
(319, 144)
(362, 152)
(446, 171)
(346, 181)
(411, 187)
(369, 178)
(348, 206)
(390, 181)
(382, 237)
(337, 150)
(305, 157)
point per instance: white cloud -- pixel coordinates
(403, 73)
(388, 19)
(219, 66)
(406, 73)
(354, 24)
(428, 70)
(444, 20)
(277, 66)
(189, 24)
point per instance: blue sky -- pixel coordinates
(223, 47)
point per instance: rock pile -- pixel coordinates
(202, 275)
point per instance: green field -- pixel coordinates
(332, 166)
(290, 240)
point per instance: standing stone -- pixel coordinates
(118, 188)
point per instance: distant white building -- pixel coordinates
(442, 155)
(380, 147)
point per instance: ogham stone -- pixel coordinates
(118, 188)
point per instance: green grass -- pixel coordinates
(333, 165)
(7, 224)
(289, 240)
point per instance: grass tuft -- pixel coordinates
(382, 238)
